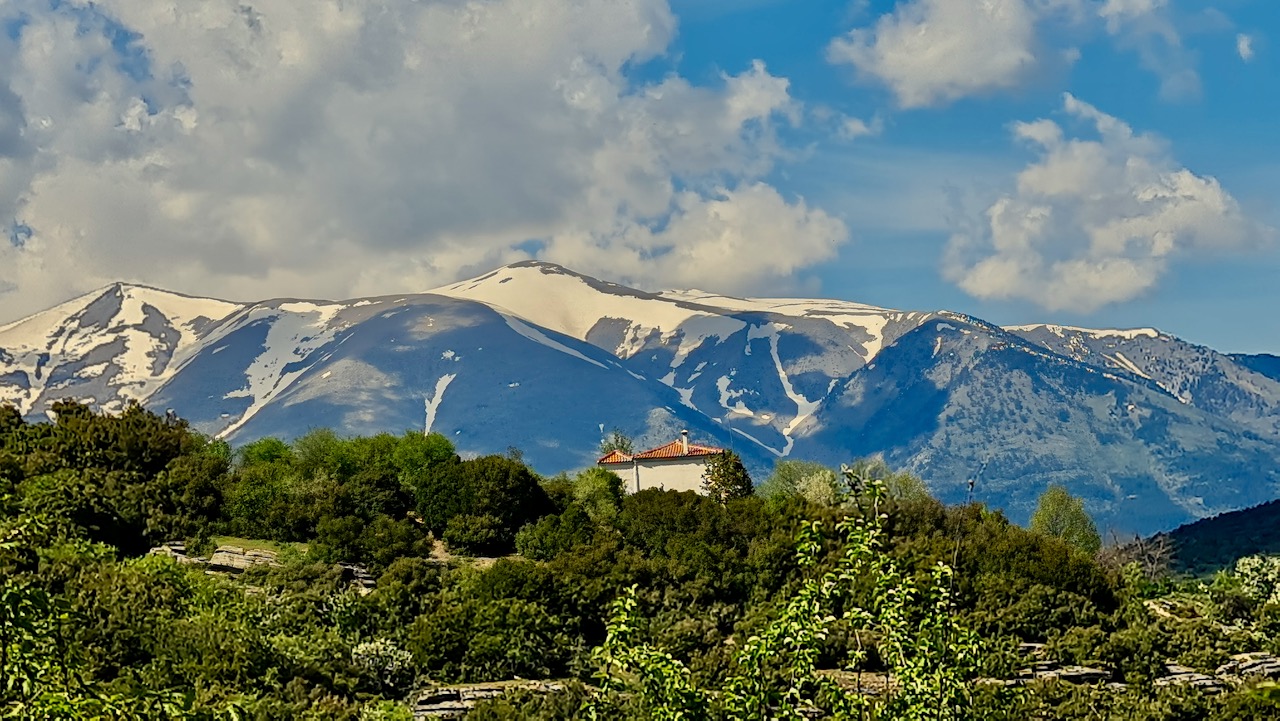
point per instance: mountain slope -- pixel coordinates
(1196, 375)
(957, 401)
(111, 346)
(485, 379)
(1152, 431)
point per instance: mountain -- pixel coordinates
(108, 347)
(1211, 544)
(1152, 431)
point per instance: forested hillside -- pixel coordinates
(787, 602)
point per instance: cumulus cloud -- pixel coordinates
(1244, 47)
(268, 148)
(933, 52)
(1094, 220)
(727, 228)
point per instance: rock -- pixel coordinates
(1047, 670)
(1257, 663)
(176, 550)
(358, 576)
(453, 702)
(1176, 675)
(1076, 674)
(1031, 650)
(233, 559)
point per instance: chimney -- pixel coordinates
(684, 442)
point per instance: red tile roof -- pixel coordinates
(675, 449)
(614, 456)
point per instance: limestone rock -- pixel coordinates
(1176, 675)
(453, 702)
(234, 559)
(1257, 663)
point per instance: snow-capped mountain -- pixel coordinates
(111, 346)
(1151, 430)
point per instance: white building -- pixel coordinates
(677, 466)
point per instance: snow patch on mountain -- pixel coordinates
(118, 343)
(296, 330)
(1062, 331)
(542, 339)
(432, 403)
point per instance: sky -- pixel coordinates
(1103, 163)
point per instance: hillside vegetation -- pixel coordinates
(652, 605)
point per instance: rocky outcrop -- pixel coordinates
(177, 550)
(1176, 675)
(358, 576)
(234, 559)
(1258, 664)
(451, 702)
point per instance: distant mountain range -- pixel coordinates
(1151, 430)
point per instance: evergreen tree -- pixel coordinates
(726, 478)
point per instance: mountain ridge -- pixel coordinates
(1141, 424)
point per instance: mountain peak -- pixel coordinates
(1062, 330)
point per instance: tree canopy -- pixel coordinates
(725, 478)
(1061, 515)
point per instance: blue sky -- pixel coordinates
(1226, 299)
(1090, 162)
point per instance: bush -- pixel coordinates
(475, 535)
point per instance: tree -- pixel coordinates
(726, 478)
(496, 493)
(616, 441)
(813, 481)
(600, 493)
(899, 485)
(1061, 515)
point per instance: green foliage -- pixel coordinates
(554, 535)
(617, 441)
(497, 495)
(599, 492)
(722, 607)
(264, 451)
(775, 672)
(725, 478)
(476, 639)
(129, 479)
(899, 486)
(811, 481)
(1060, 515)
(476, 535)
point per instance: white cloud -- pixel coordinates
(1094, 221)
(933, 52)
(852, 128)
(1244, 47)
(246, 150)
(750, 228)
(1148, 28)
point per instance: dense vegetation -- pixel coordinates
(1210, 544)
(657, 604)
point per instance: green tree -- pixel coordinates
(812, 481)
(899, 485)
(264, 450)
(616, 441)
(600, 493)
(1061, 515)
(497, 494)
(10, 420)
(726, 478)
